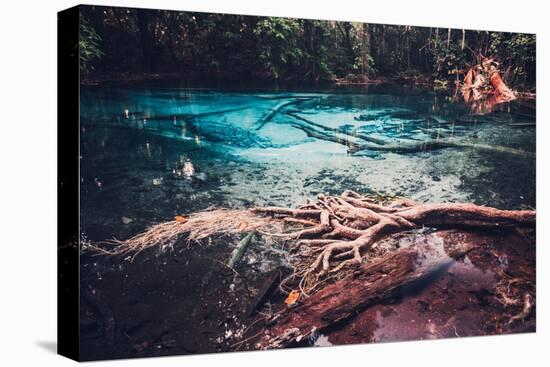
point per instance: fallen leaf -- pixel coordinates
(292, 298)
(180, 218)
(242, 226)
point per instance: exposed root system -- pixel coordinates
(328, 235)
(337, 245)
(197, 226)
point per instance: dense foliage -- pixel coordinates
(121, 40)
(88, 45)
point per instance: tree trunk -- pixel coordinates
(370, 284)
(357, 142)
(146, 39)
(347, 38)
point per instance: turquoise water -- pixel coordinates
(148, 154)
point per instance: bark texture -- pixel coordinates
(369, 284)
(346, 226)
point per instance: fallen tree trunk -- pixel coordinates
(413, 147)
(337, 130)
(361, 142)
(369, 284)
(272, 112)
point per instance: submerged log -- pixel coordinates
(272, 112)
(361, 142)
(414, 147)
(239, 251)
(361, 136)
(264, 292)
(369, 284)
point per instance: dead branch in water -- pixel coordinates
(357, 142)
(331, 233)
(369, 284)
(197, 226)
(273, 111)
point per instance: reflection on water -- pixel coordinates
(457, 301)
(150, 154)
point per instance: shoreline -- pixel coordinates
(422, 82)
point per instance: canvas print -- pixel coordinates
(254, 182)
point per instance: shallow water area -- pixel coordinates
(151, 153)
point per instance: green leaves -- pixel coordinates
(278, 45)
(88, 45)
(239, 46)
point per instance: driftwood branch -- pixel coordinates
(369, 284)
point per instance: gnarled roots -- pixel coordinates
(342, 228)
(330, 233)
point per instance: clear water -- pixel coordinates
(148, 154)
(136, 141)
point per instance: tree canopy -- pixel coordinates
(198, 45)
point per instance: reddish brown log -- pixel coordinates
(501, 90)
(466, 215)
(369, 284)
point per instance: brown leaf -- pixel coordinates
(242, 226)
(180, 218)
(292, 298)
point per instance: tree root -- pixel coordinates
(197, 227)
(356, 223)
(528, 304)
(326, 235)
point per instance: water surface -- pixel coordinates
(148, 154)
